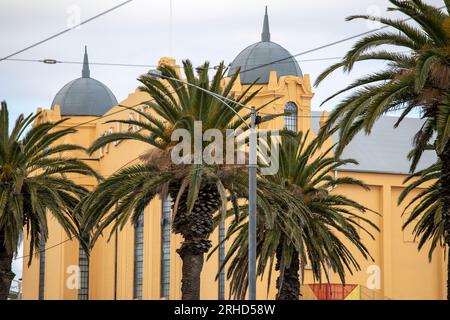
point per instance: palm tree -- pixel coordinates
(33, 184)
(415, 80)
(425, 207)
(309, 175)
(197, 190)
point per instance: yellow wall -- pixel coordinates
(405, 273)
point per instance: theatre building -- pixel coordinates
(140, 261)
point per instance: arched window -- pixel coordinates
(138, 257)
(165, 247)
(290, 119)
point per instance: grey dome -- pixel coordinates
(255, 57)
(84, 96)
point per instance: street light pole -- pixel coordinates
(252, 208)
(252, 167)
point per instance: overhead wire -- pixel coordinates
(8, 57)
(66, 30)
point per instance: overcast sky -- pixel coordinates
(139, 33)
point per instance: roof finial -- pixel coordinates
(85, 73)
(265, 35)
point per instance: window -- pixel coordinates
(290, 119)
(166, 221)
(138, 257)
(42, 255)
(221, 260)
(42, 269)
(83, 262)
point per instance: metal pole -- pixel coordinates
(116, 250)
(252, 209)
(221, 260)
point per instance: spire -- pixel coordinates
(265, 35)
(85, 73)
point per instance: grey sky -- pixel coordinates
(139, 33)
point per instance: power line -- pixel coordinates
(127, 163)
(39, 251)
(53, 61)
(116, 64)
(124, 165)
(70, 238)
(241, 71)
(134, 159)
(142, 65)
(311, 116)
(325, 45)
(66, 30)
(125, 108)
(121, 167)
(281, 60)
(289, 115)
(311, 50)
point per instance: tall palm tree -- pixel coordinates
(425, 207)
(33, 184)
(417, 79)
(197, 190)
(309, 175)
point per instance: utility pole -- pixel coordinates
(252, 209)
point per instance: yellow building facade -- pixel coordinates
(398, 270)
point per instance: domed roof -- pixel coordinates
(256, 61)
(84, 96)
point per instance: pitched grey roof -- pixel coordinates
(258, 58)
(84, 96)
(385, 149)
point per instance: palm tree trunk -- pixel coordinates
(191, 271)
(445, 185)
(288, 283)
(195, 229)
(6, 274)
